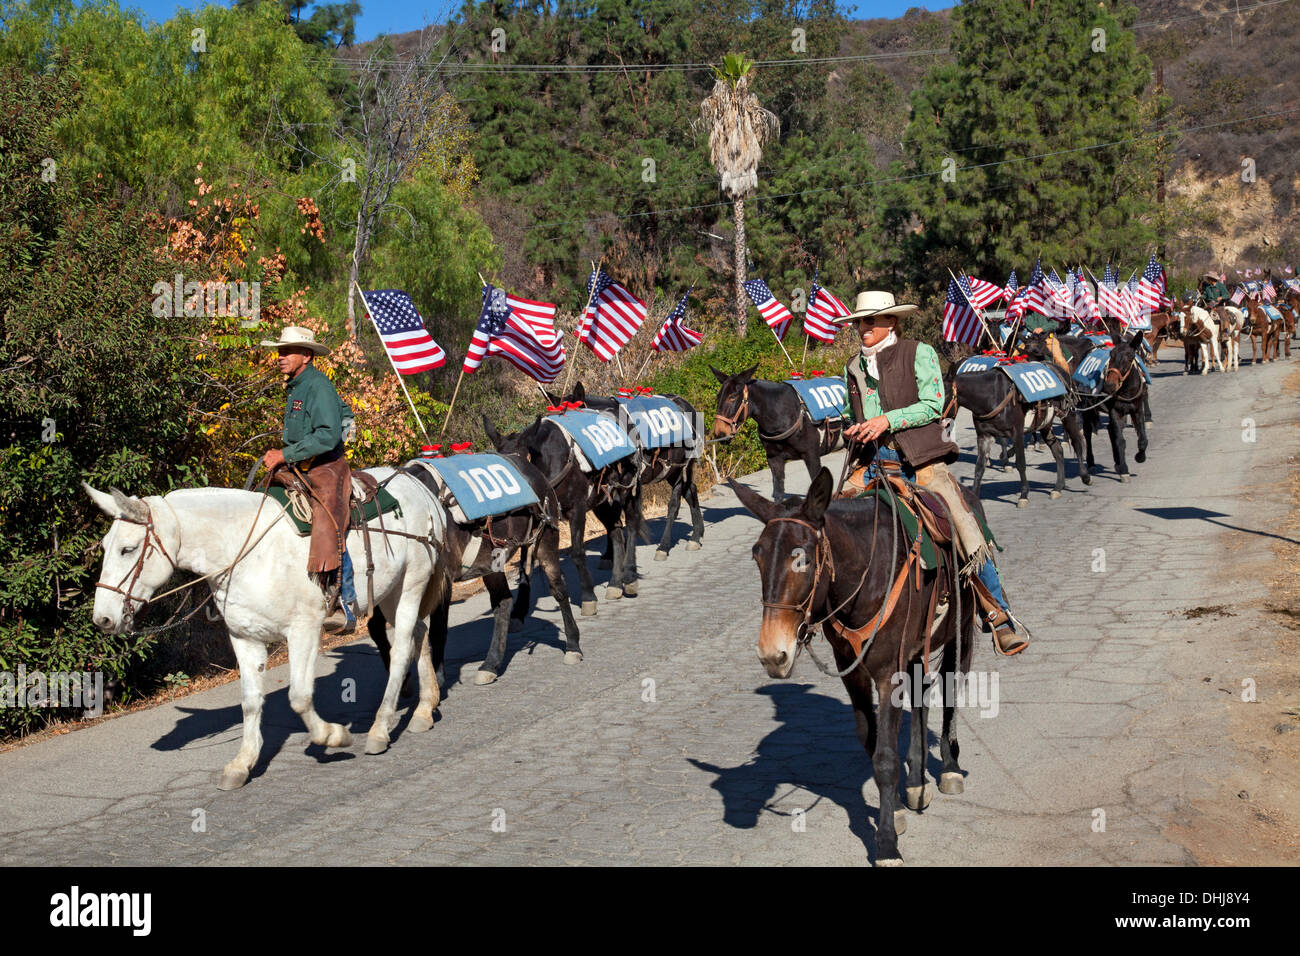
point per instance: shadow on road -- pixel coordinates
(1203, 514)
(813, 756)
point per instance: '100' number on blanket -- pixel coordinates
(491, 483)
(604, 435)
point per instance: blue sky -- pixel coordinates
(398, 16)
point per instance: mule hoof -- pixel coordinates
(951, 783)
(1124, 478)
(613, 593)
(629, 589)
(918, 798)
(515, 625)
(482, 677)
(1022, 503)
(1140, 457)
(1087, 479)
(693, 545)
(889, 861)
(661, 555)
(573, 657)
(232, 779)
(900, 821)
(420, 724)
(376, 745)
(588, 608)
(1054, 494)
(605, 564)
(339, 736)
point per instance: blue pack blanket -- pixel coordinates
(1273, 314)
(1035, 380)
(660, 423)
(1093, 367)
(479, 486)
(823, 397)
(978, 363)
(599, 439)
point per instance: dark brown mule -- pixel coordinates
(1163, 324)
(847, 565)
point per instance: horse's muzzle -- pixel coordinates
(778, 642)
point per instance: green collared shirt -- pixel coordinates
(1215, 293)
(313, 416)
(929, 386)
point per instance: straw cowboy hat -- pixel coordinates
(871, 304)
(298, 337)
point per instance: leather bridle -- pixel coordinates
(1122, 378)
(152, 542)
(736, 418)
(822, 560)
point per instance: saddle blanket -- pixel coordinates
(1036, 381)
(382, 503)
(1101, 341)
(598, 438)
(661, 424)
(977, 363)
(823, 397)
(1273, 314)
(478, 486)
(1093, 366)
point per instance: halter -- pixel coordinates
(1123, 377)
(824, 559)
(737, 418)
(152, 541)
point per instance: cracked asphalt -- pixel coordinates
(669, 745)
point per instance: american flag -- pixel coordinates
(1269, 292)
(612, 318)
(1151, 295)
(1033, 297)
(983, 294)
(1013, 284)
(673, 335)
(776, 315)
(1108, 293)
(1134, 317)
(1293, 285)
(1238, 295)
(410, 347)
(823, 309)
(518, 330)
(960, 323)
(1085, 306)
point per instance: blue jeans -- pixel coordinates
(347, 588)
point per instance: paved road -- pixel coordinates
(1110, 710)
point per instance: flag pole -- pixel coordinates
(452, 406)
(371, 314)
(577, 350)
(646, 363)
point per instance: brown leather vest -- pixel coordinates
(922, 445)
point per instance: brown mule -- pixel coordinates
(849, 567)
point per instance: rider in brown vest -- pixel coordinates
(313, 461)
(895, 398)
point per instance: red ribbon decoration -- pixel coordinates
(817, 373)
(570, 406)
(555, 408)
(796, 374)
(462, 447)
(643, 390)
(625, 392)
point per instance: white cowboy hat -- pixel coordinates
(297, 336)
(875, 303)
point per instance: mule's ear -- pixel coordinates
(756, 504)
(553, 398)
(579, 392)
(1137, 337)
(129, 507)
(493, 435)
(720, 376)
(104, 500)
(748, 374)
(819, 496)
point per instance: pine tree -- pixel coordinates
(1030, 87)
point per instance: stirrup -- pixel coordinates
(1007, 641)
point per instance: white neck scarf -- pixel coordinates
(869, 352)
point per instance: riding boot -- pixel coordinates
(1006, 641)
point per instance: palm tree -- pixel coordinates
(738, 127)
